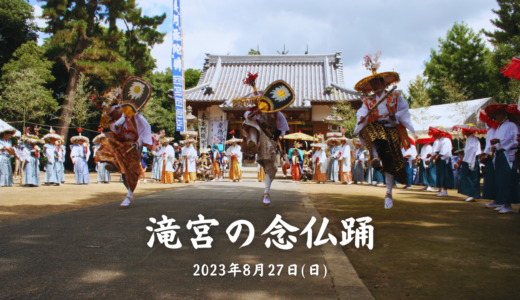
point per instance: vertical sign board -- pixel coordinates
(178, 66)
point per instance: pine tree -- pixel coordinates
(82, 43)
(16, 27)
(462, 59)
(507, 22)
(418, 91)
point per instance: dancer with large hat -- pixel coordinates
(264, 124)
(130, 132)
(382, 121)
(470, 168)
(234, 152)
(50, 150)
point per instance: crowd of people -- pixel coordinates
(384, 154)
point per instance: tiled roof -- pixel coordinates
(308, 75)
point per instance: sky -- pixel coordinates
(404, 31)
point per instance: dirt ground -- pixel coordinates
(22, 203)
(427, 247)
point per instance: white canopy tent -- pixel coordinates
(4, 126)
(449, 115)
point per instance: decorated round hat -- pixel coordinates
(234, 140)
(440, 130)
(98, 138)
(51, 135)
(79, 137)
(166, 140)
(424, 139)
(469, 129)
(371, 63)
(277, 96)
(136, 93)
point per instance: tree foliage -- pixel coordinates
(418, 91)
(160, 110)
(344, 109)
(507, 22)
(461, 59)
(25, 98)
(81, 41)
(83, 107)
(30, 55)
(191, 77)
(16, 27)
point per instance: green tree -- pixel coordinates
(462, 59)
(418, 91)
(191, 77)
(507, 22)
(160, 110)
(454, 92)
(82, 43)
(16, 27)
(344, 109)
(25, 98)
(29, 55)
(254, 52)
(83, 107)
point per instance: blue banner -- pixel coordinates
(177, 66)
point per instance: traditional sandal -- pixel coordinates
(268, 197)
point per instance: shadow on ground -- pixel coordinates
(427, 247)
(101, 253)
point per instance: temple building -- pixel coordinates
(317, 81)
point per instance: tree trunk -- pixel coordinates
(68, 104)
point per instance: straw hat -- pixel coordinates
(166, 140)
(76, 139)
(372, 64)
(234, 140)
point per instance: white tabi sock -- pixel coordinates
(130, 194)
(389, 183)
(267, 184)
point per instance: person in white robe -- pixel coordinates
(442, 159)
(319, 160)
(31, 161)
(6, 153)
(50, 150)
(470, 170)
(234, 154)
(333, 166)
(189, 157)
(345, 175)
(60, 162)
(409, 156)
(103, 175)
(80, 153)
(422, 159)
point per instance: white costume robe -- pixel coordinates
(60, 163)
(51, 168)
(319, 160)
(103, 175)
(234, 153)
(471, 151)
(6, 171)
(189, 165)
(80, 158)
